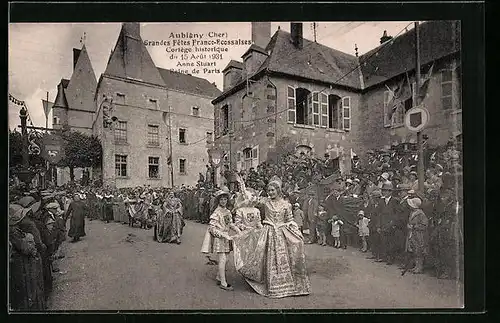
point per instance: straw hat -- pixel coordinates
(361, 212)
(414, 203)
(29, 203)
(52, 206)
(17, 213)
(223, 191)
(385, 176)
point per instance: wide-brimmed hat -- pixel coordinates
(385, 176)
(414, 173)
(29, 202)
(414, 203)
(361, 212)
(296, 204)
(52, 206)
(17, 213)
(223, 191)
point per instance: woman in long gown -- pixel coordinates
(272, 259)
(169, 226)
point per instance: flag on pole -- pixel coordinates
(399, 95)
(422, 93)
(47, 106)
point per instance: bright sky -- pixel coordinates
(41, 54)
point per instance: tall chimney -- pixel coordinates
(261, 33)
(296, 31)
(132, 29)
(384, 37)
(76, 54)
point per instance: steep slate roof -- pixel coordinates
(314, 61)
(256, 48)
(437, 39)
(188, 83)
(321, 63)
(235, 64)
(65, 82)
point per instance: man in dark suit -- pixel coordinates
(387, 214)
(311, 209)
(334, 206)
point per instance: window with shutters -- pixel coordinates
(224, 120)
(153, 135)
(447, 89)
(121, 165)
(154, 167)
(334, 112)
(346, 113)
(387, 109)
(316, 109)
(324, 110)
(291, 105)
(121, 132)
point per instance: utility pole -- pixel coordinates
(170, 146)
(420, 166)
(23, 115)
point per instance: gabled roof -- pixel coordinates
(255, 48)
(60, 101)
(314, 61)
(437, 40)
(235, 64)
(65, 83)
(130, 57)
(188, 83)
(320, 63)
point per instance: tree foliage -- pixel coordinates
(80, 150)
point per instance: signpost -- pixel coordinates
(417, 118)
(52, 150)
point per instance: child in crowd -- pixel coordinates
(336, 223)
(363, 230)
(321, 225)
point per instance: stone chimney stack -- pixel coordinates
(261, 33)
(297, 35)
(132, 29)
(384, 37)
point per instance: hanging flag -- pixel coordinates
(47, 106)
(399, 95)
(353, 154)
(424, 86)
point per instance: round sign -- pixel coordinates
(416, 119)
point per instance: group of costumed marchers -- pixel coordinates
(269, 254)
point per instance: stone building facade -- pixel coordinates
(163, 119)
(313, 99)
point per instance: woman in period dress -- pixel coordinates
(416, 241)
(217, 237)
(272, 259)
(169, 226)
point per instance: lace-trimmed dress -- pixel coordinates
(218, 230)
(272, 258)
